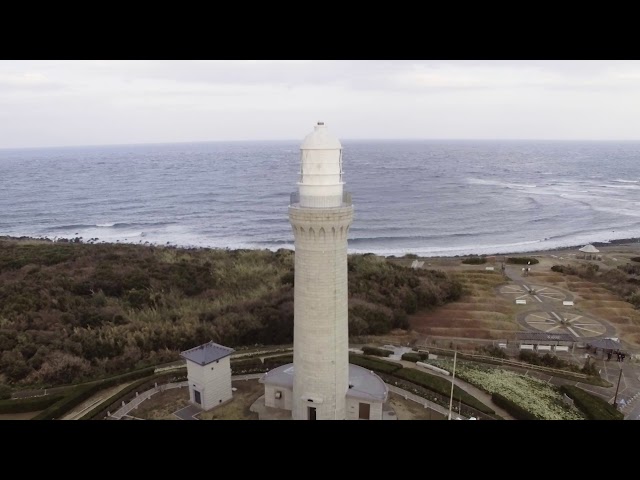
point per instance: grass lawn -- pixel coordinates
(162, 405)
(410, 410)
(480, 313)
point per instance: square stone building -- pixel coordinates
(209, 374)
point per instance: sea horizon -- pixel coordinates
(422, 196)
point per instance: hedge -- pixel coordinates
(442, 386)
(247, 365)
(514, 409)
(273, 362)
(374, 364)
(594, 408)
(112, 403)
(80, 393)
(522, 260)
(5, 392)
(475, 260)
(32, 404)
(246, 362)
(414, 357)
(378, 352)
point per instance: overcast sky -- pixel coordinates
(55, 103)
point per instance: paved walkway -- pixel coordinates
(124, 410)
(188, 413)
(127, 408)
(92, 401)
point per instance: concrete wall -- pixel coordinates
(213, 381)
(353, 409)
(285, 400)
(320, 338)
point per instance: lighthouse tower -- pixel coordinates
(320, 214)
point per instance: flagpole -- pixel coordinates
(453, 377)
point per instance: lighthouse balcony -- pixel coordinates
(343, 200)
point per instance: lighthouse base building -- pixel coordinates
(364, 399)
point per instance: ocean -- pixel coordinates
(432, 198)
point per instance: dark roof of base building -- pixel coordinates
(207, 353)
(543, 336)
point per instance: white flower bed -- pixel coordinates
(542, 400)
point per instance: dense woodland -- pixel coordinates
(70, 312)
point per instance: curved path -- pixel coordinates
(124, 410)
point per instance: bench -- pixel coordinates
(526, 347)
(488, 268)
(544, 348)
(521, 302)
(567, 303)
(502, 345)
(562, 348)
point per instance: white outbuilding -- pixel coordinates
(591, 251)
(209, 374)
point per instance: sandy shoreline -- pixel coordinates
(622, 245)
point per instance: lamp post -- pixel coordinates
(615, 398)
(453, 377)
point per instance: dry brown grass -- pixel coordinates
(162, 405)
(549, 279)
(248, 391)
(481, 313)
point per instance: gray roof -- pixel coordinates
(540, 336)
(605, 343)
(365, 384)
(207, 353)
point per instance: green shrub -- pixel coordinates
(378, 352)
(475, 260)
(514, 409)
(33, 404)
(372, 363)
(442, 386)
(522, 260)
(635, 259)
(493, 351)
(5, 392)
(246, 362)
(247, 365)
(594, 408)
(414, 357)
(80, 393)
(547, 360)
(273, 362)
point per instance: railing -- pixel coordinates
(506, 362)
(294, 199)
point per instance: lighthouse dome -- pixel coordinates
(320, 139)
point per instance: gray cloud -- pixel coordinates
(100, 102)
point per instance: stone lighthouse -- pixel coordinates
(320, 214)
(321, 384)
